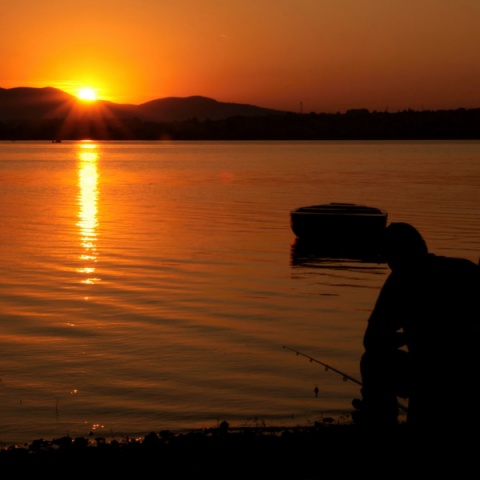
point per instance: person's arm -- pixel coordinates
(383, 332)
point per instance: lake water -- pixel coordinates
(148, 285)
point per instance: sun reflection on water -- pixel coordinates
(87, 201)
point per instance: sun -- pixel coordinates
(87, 94)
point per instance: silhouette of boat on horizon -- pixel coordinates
(338, 230)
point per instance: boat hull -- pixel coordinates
(345, 228)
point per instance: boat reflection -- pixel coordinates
(311, 254)
(87, 214)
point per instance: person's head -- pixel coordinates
(403, 246)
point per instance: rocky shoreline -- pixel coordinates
(223, 452)
(305, 453)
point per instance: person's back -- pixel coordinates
(442, 334)
(431, 304)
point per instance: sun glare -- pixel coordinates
(87, 94)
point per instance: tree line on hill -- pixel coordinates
(359, 124)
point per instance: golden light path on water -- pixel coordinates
(87, 201)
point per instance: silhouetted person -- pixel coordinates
(422, 342)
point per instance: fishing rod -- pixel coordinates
(329, 367)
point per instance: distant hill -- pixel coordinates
(174, 108)
(51, 114)
(34, 103)
(26, 103)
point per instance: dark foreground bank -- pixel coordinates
(317, 452)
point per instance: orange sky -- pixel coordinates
(308, 55)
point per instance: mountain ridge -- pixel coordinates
(30, 103)
(50, 114)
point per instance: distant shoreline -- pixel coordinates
(460, 124)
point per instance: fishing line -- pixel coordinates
(328, 367)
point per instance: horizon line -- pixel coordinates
(301, 111)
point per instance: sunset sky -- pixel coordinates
(296, 55)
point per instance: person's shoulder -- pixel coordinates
(454, 264)
(453, 260)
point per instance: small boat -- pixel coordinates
(344, 228)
